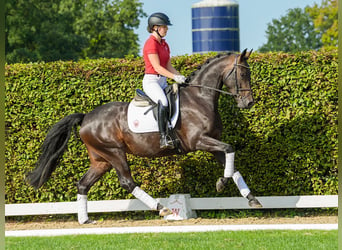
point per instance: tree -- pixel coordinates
(325, 19)
(49, 30)
(291, 33)
(108, 28)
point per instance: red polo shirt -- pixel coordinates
(152, 46)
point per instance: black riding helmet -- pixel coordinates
(157, 19)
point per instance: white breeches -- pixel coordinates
(153, 86)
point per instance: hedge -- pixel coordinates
(285, 145)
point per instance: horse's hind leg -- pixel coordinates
(126, 181)
(99, 166)
(95, 172)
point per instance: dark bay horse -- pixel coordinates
(105, 133)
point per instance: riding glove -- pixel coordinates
(179, 78)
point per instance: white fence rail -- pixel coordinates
(268, 202)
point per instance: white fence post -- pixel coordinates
(180, 207)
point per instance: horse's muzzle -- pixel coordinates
(245, 103)
(250, 104)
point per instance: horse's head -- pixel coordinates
(237, 78)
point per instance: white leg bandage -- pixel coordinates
(82, 210)
(229, 166)
(241, 184)
(145, 198)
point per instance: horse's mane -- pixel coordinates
(205, 65)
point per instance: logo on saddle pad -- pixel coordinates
(140, 115)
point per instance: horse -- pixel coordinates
(105, 133)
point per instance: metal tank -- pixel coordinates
(215, 26)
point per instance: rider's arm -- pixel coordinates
(170, 68)
(169, 72)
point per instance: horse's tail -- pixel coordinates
(53, 148)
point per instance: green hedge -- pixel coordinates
(285, 145)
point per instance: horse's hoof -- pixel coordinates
(89, 222)
(164, 212)
(221, 183)
(254, 203)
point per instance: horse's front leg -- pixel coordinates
(225, 155)
(242, 186)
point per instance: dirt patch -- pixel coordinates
(9, 226)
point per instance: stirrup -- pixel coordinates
(165, 142)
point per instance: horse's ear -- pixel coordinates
(245, 55)
(248, 54)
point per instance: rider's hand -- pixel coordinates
(175, 88)
(179, 78)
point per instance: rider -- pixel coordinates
(158, 67)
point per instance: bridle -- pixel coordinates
(233, 70)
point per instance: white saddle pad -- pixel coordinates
(138, 122)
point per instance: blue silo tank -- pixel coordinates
(215, 26)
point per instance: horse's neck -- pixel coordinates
(211, 74)
(210, 77)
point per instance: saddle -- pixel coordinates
(143, 100)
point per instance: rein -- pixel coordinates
(206, 87)
(224, 79)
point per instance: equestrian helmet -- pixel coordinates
(157, 19)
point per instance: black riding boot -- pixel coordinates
(162, 122)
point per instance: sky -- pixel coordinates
(255, 15)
